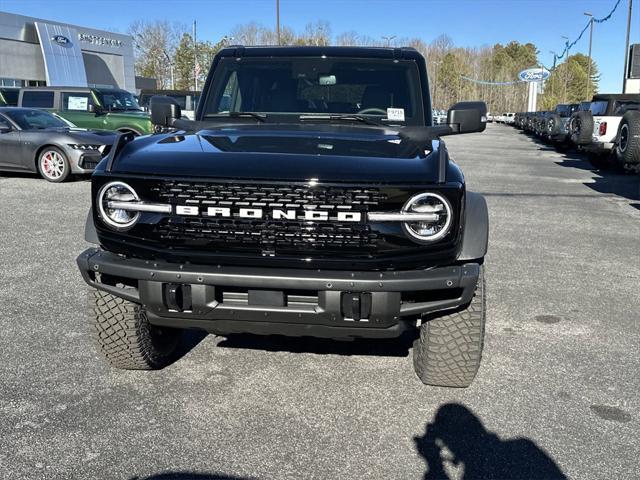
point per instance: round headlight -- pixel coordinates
(433, 229)
(109, 196)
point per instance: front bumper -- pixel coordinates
(324, 303)
(83, 162)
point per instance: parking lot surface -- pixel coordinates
(557, 392)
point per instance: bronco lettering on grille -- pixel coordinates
(275, 214)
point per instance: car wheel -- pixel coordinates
(53, 165)
(449, 349)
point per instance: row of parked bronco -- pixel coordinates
(607, 128)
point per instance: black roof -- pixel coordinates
(600, 97)
(157, 91)
(314, 51)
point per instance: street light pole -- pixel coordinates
(555, 58)
(589, 66)
(626, 49)
(278, 21)
(566, 68)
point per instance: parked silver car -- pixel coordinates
(34, 140)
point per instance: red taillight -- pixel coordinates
(603, 128)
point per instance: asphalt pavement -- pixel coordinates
(557, 392)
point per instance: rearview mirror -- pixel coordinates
(164, 110)
(467, 117)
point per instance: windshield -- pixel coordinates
(10, 97)
(380, 88)
(35, 119)
(566, 110)
(118, 101)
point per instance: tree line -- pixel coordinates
(165, 51)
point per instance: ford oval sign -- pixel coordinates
(534, 74)
(61, 40)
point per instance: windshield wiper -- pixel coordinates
(258, 116)
(343, 118)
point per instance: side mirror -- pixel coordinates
(92, 108)
(164, 110)
(5, 129)
(467, 117)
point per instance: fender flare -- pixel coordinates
(475, 237)
(90, 234)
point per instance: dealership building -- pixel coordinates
(37, 52)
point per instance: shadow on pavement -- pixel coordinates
(605, 181)
(458, 439)
(394, 347)
(190, 476)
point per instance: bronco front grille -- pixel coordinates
(267, 234)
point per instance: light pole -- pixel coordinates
(555, 58)
(388, 39)
(589, 66)
(566, 68)
(626, 49)
(278, 20)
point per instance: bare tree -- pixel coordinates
(154, 47)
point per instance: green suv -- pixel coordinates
(93, 108)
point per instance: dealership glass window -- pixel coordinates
(76, 102)
(37, 99)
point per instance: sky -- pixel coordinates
(472, 23)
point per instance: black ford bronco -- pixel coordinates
(311, 196)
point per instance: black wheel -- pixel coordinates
(125, 336)
(581, 127)
(449, 348)
(53, 165)
(628, 144)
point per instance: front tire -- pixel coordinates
(449, 349)
(126, 338)
(53, 165)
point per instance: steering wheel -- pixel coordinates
(372, 110)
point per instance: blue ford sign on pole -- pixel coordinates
(534, 74)
(534, 77)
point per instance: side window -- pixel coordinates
(76, 102)
(36, 99)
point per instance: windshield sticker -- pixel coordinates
(77, 103)
(395, 114)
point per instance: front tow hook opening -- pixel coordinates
(177, 297)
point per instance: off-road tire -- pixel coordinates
(125, 336)
(449, 349)
(553, 124)
(628, 150)
(581, 127)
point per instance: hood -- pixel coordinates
(281, 152)
(91, 136)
